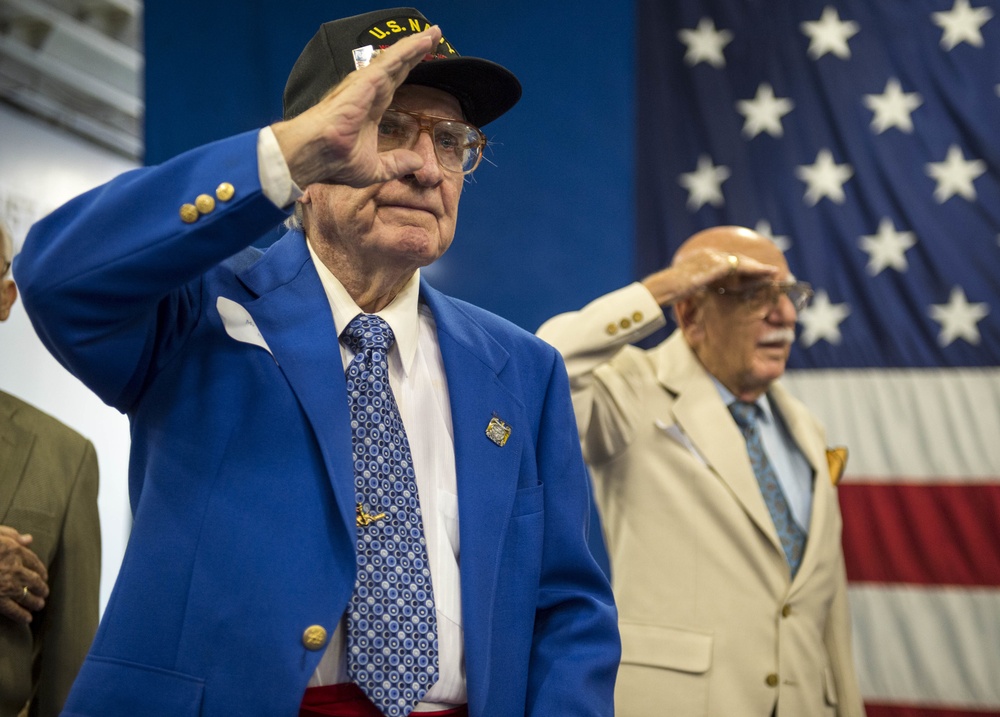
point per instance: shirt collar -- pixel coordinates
(400, 314)
(728, 398)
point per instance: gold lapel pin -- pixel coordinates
(497, 431)
(365, 519)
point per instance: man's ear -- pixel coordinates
(8, 295)
(688, 313)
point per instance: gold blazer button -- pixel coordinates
(189, 213)
(772, 680)
(314, 637)
(204, 203)
(224, 192)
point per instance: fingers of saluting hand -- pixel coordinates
(707, 266)
(335, 142)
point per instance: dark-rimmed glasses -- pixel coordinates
(458, 145)
(765, 294)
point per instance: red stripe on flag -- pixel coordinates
(875, 710)
(922, 534)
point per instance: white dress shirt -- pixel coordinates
(419, 384)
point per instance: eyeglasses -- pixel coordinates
(765, 294)
(458, 145)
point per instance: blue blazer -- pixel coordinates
(240, 477)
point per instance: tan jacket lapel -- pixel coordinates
(700, 413)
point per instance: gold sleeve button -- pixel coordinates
(314, 637)
(612, 329)
(224, 192)
(637, 317)
(189, 213)
(625, 323)
(204, 203)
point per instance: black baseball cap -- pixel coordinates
(484, 89)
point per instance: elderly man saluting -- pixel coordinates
(721, 517)
(352, 494)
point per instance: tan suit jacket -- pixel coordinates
(48, 488)
(711, 622)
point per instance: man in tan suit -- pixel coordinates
(720, 615)
(50, 547)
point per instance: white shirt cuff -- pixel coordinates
(275, 178)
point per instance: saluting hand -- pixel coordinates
(335, 141)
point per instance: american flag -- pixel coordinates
(863, 136)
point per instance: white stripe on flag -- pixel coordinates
(937, 426)
(928, 646)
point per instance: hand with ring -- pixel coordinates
(696, 269)
(23, 577)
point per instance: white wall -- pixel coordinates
(40, 168)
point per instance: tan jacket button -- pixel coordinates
(772, 680)
(612, 329)
(786, 611)
(314, 637)
(225, 192)
(189, 213)
(204, 203)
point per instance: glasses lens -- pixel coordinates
(396, 130)
(800, 294)
(458, 145)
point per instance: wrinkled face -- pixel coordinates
(745, 344)
(407, 222)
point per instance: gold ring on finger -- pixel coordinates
(24, 594)
(734, 263)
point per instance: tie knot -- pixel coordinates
(744, 413)
(367, 331)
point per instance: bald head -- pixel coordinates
(734, 240)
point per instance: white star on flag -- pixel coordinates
(829, 34)
(892, 108)
(958, 318)
(764, 229)
(887, 248)
(962, 24)
(764, 112)
(821, 320)
(825, 178)
(705, 43)
(705, 183)
(955, 175)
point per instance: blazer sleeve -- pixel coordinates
(71, 611)
(604, 398)
(110, 280)
(575, 647)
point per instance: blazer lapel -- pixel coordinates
(702, 415)
(294, 318)
(15, 447)
(487, 473)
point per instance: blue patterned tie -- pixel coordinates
(392, 649)
(793, 538)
